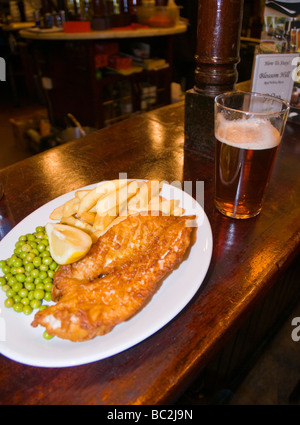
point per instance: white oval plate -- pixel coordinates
(21, 342)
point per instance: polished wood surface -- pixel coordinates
(248, 257)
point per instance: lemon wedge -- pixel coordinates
(67, 243)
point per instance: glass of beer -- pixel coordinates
(248, 131)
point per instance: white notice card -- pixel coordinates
(273, 74)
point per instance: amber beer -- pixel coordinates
(246, 149)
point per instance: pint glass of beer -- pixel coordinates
(248, 131)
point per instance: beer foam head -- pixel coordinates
(252, 133)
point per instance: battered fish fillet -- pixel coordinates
(124, 242)
(131, 259)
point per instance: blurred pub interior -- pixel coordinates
(26, 100)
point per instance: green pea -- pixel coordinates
(9, 302)
(10, 293)
(31, 294)
(44, 267)
(18, 262)
(30, 257)
(13, 270)
(22, 238)
(13, 258)
(25, 301)
(17, 299)
(37, 281)
(47, 296)
(51, 273)
(40, 235)
(47, 336)
(37, 261)
(43, 307)
(17, 287)
(5, 288)
(35, 303)
(29, 267)
(6, 269)
(47, 260)
(18, 307)
(48, 286)
(23, 255)
(41, 247)
(34, 273)
(2, 264)
(26, 248)
(8, 276)
(12, 281)
(53, 266)
(21, 277)
(39, 294)
(23, 293)
(47, 280)
(29, 286)
(2, 280)
(17, 251)
(43, 275)
(20, 269)
(27, 309)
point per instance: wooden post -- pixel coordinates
(217, 55)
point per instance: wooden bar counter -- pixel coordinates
(249, 257)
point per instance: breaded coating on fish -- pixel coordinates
(117, 278)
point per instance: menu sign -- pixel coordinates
(276, 69)
(273, 74)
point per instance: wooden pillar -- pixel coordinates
(218, 46)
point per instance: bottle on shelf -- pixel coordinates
(293, 41)
(14, 11)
